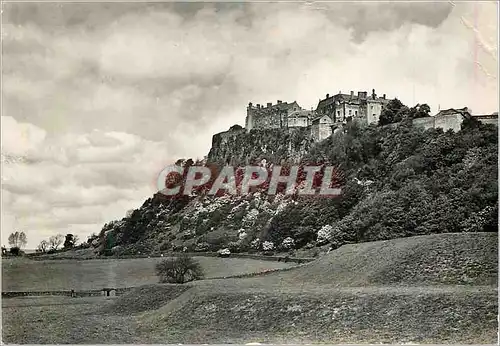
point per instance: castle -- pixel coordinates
(331, 112)
(334, 111)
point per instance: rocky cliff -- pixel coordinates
(239, 147)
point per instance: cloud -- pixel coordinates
(72, 182)
(99, 97)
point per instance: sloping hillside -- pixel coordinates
(438, 259)
(424, 316)
(425, 289)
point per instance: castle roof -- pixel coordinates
(316, 119)
(281, 106)
(348, 98)
(493, 115)
(286, 106)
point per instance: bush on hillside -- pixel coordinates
(179, 269)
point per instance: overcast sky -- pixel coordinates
(99, 97)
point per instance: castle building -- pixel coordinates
(321, 127)
(452, 118)
(362, 108)
(299, 118)
(280, 115)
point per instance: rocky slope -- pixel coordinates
(396, 182)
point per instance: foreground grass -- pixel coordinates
(63, 320)
(454, 314)
(20, 274)
(428, 289)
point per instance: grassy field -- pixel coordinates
(429, 289)
(454, 315)
(20, 274)
(438, 259)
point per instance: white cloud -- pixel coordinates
(74, 181)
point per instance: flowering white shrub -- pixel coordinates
(324, 234)
(251, 216)
(255, 243)
(224, 252)
(281, 207)
(288, 243)
(242, 234)
(267, 246)
(265, 206)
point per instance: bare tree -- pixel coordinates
(18, 239)
(43, 246)
(56, 241)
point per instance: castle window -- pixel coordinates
(350, 111)
(355, 112)
(338, 113)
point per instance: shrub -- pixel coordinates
(15, 251)
(324, 234)
(288, 243)
(202, 247)
(268, 246)
(179, 270)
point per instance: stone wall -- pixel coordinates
(492, 121)
(320, 131)
(448, 122)
(424, 123)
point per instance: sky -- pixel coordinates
(98, 97)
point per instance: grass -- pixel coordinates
(64, 320)
(21, 274)
(455, 316)
(145, 298)
(438, 259)
(428, 289)
(336, 316)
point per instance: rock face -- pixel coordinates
(239, 147)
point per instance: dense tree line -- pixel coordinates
(423, 182)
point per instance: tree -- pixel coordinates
(420, 111)
(43, 246)
(70, 241)
(55, 241)
(15, 251)
(179, 270)
(394, 112)
(18, 239)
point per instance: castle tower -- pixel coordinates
(250, 117)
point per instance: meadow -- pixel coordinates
(21, 274)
